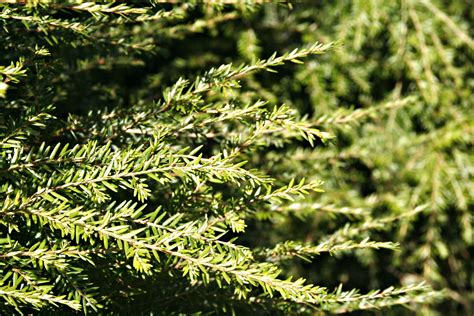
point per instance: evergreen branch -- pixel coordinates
(44, 22)
(12, 73)
(422, 46)
(98, 10)
(355, 117)
(89, 153)
(134, 165)
(195, 232)
(289, 249)
(304, 209)
(287, 192)
(41, 253)
(341, 302)
(273, 61)
(280, 123)
(224, 264)
(449, 23)
(352, 300)
(262, 274)
(201, 24)
(16, 136)
(15, 292)
(383, 223)
(36, 298)
(225, 76)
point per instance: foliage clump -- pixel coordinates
(150, 160)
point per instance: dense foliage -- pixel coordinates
(151, 160)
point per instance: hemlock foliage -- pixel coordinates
(152, 161)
